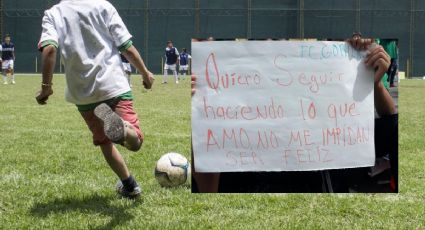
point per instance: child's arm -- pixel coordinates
(384, 103)
(122, 40)
(48, 45)
(136, 60)
(49, 62)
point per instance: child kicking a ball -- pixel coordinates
(91, 34)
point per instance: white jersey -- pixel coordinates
(88, 34)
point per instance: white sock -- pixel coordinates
(175, 75)
(4, 78)
(165, 76)
(13, 77)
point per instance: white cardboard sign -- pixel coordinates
(281, 106)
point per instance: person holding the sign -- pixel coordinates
(386, 127)
(376, 58)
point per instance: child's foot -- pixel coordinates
(13, 82)
(132, 141)
(177, 82)
(164, 82)
(129, 193)
(113, 125)
(5, 83)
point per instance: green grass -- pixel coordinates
(52, 177)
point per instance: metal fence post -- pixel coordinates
(411, 40)
(147, 33)
(1, 18)
(358, 16)
(249, 18)
(301, 19)
(197, 18)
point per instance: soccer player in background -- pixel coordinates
(8, 59)
(127, 68)
(91, 34)
(184, 62)
(171, 56)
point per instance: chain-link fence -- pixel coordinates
(153, 22)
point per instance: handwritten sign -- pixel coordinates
(281, 106)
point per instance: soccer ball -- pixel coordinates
(172, 169)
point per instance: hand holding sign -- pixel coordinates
(379, 60)
(376, 55)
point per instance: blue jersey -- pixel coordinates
(171, 55)
(7, 51)
(184, 58)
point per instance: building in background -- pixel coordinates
(152, 22)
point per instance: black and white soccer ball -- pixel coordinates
(172, 170)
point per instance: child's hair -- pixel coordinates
(7, 36)
(184, 49)
(169, 42)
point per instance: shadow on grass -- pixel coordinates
(88, 205)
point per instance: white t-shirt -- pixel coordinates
(88, 33)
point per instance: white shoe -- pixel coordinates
(13, 82)
(5, 83)
(177, 82)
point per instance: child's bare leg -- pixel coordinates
(127, 187)
(207, 182)
(115, 160)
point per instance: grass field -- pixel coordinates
(52, 177)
